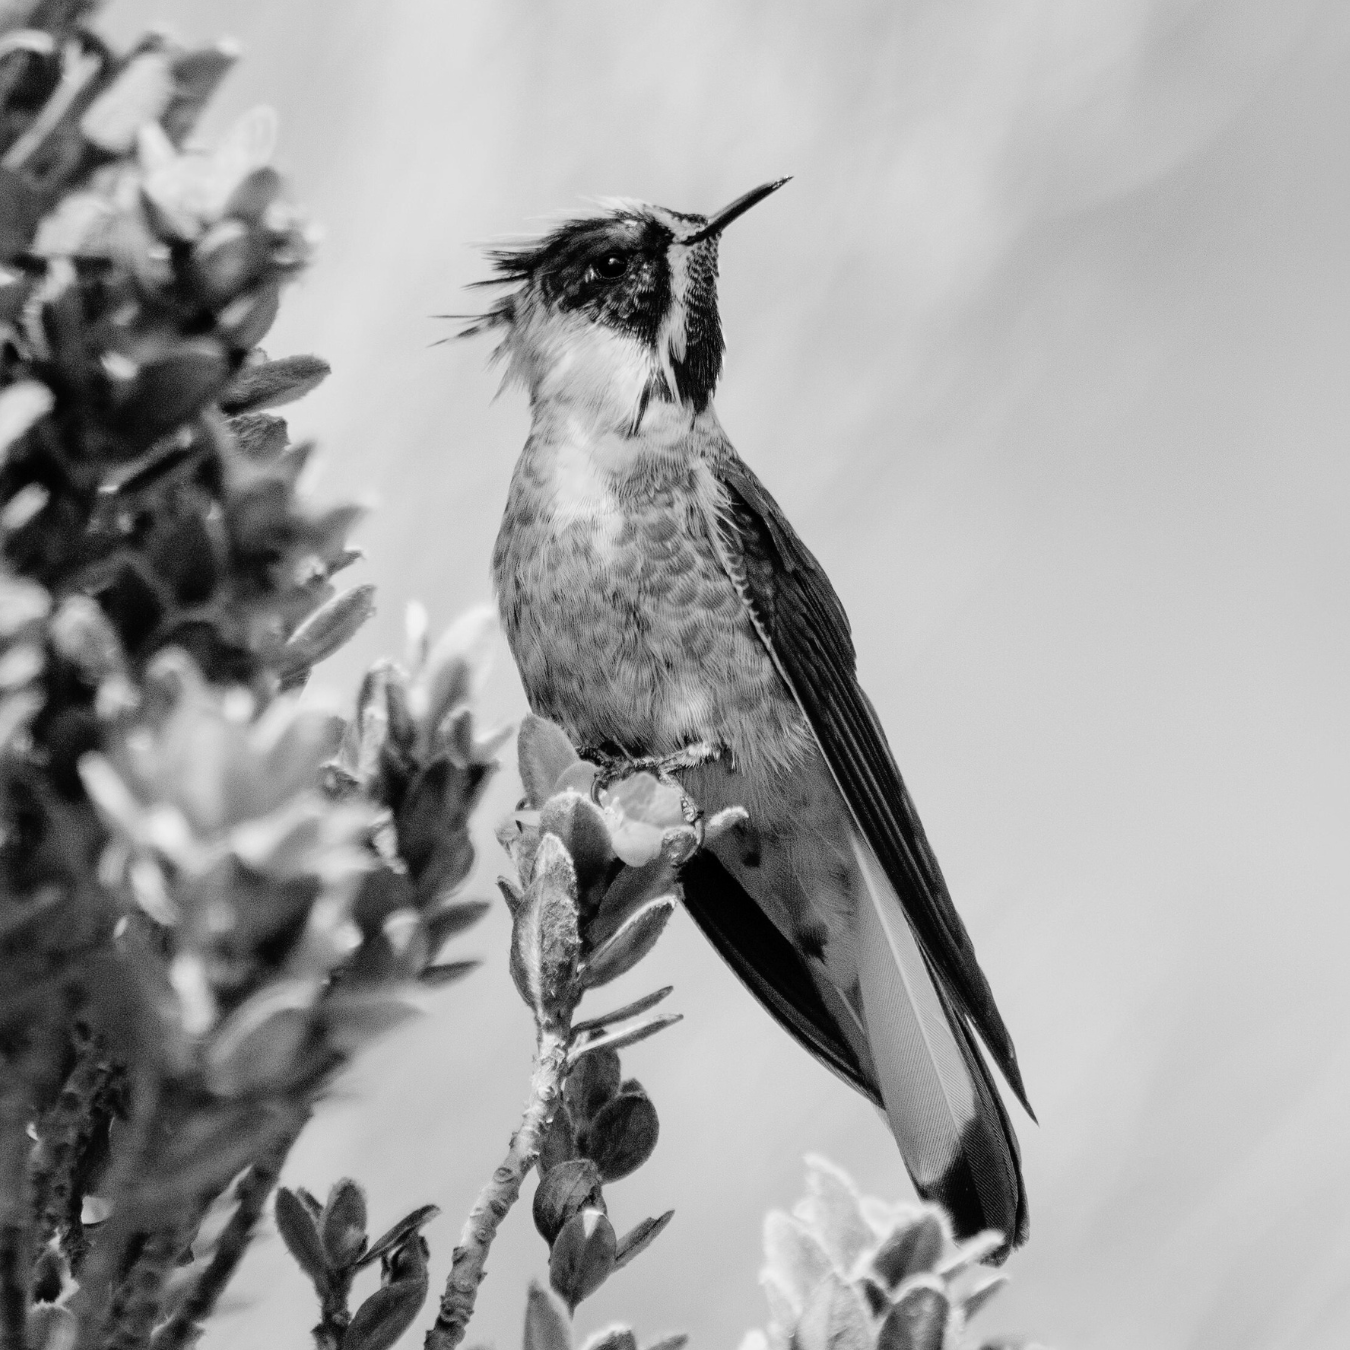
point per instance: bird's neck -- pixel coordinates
(590, 374)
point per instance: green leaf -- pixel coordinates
(437, 977)
(511, 893)
(911, 1249)
(300, 1233)
(638, 1239)
(977, 1298)
(623, 1135)
(259, 1046)
(639, 1005)
(833, 1211)
(627, 893)
(171, 388)
(22, 404)
(989, 1245)
(559, 1142)
(271, 384)
(918, 1320)
(582, 1256)
(545, 1326)
(617, 1040)
(195, 75)
(576, 820)
(390, 1311)
(446, 921)
(591, 1083)
(565, 1190)
(544, 753)
(342, 1226)
(633, 940)
(139, 94)
(794, 1256)
(545, 944)
(328, 628)
(249, 201)
(398, 1234)
(614, 1338)
(833, 1318)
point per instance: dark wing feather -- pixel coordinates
(771, 967)
(807, 633)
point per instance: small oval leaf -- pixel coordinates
(912, 1249)
(623, 1135)
(582, 1256)
(544, 753)
(638, 1239)
(629, 945)
(918, 1321)
(342, 1227)
(566, 1189)
(559, 1142)
(545, 1326)
(593, 1081)
(387, 1313)
(300, 1233)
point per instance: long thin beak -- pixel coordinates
(739, 207)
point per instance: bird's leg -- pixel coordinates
(615, 768)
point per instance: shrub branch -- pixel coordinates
(467, 1267)
(184, 1327)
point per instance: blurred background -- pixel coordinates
(1044, 351)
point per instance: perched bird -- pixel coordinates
(660, 608)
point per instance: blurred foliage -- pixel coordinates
(211, 895)
(850, 1272)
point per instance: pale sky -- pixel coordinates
(1044, 351)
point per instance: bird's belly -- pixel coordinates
(627, 631)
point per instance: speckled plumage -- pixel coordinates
(654, 598)
(625, 627)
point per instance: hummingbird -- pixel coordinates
(661, 609)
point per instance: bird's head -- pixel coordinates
(616, 311)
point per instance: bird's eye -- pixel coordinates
(611, 267)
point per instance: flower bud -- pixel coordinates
(545, 944)
(342, 1227)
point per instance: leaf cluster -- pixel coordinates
(211, 895)
(330, 1243)
(850, 1272)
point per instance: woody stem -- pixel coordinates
(467, 1266)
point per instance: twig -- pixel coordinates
(99, 1278)
(500, 1193)
(63, 1133)
(15, 1239)
(251, 1192)
(334, 1311)
(138, 1296)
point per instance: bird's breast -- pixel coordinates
(625, 627)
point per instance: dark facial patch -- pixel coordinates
(613, 268)
(696, 374)
(616, 270)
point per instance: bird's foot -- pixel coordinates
(615, 768)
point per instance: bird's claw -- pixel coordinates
(615, 768)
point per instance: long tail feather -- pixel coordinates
(944, 1110)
